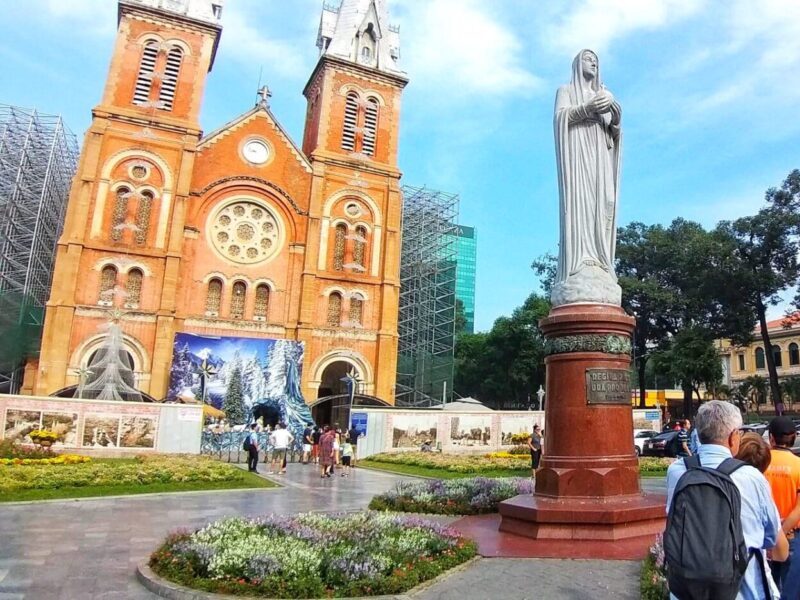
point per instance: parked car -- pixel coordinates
(639, 438)
(663, 444)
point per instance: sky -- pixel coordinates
(708, 91)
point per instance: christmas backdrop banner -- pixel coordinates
(236, 374)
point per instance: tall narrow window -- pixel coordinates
(360, 246)
(760, 360)
(213, 297)
(143, 211)
(238, 297)
(147, 70)
(120, 212)
(170, 81)
(350, 122)
(741, 362)
(261, 310)
(794, 354)
(370, 127)
(108, 281)
(133, 288)
(356, 315)
(777, 356)
(335, 309)
(339, 247)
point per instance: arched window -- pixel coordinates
(368, 46)
(120, 212)
(335, 309)
(794, 354)
(143, 211)
(213, 297)
(356, 315)
(133, 288)
(147, 69)
(370, 127)
(261, 310)
(777, 356)
(760, 360)
(170, 81)
(339, 247)
(350, 122)
(360, 246)
(238, 297)
(108, 281)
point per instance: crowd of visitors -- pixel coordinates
(732, 526)
(326, 446)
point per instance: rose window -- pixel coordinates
(244, 232)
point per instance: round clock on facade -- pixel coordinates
(256, 152)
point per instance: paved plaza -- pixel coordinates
(75, 549)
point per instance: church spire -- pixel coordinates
(207, 11)
(359, 31)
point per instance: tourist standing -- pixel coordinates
(783, 475)
(718, 426)
(326, 454)
(535, 445)
(352, 437)
(347, 457)
(252, 449)
(308, 443)
(315, 444)
(280, 439)
(337, 444)
(683, 439)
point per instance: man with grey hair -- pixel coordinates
(718, 428)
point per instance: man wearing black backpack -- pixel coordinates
(721, 517)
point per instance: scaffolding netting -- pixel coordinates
(38, 158)
(427, 298)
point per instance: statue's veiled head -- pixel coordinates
(586, 73)
(590, 65)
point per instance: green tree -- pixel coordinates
(790, 389)
(505, 366)
(691, 358)
(233, 405)
(763, 262)
(754, 389)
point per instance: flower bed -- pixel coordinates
(473, 496)
(61, 459)
(653, 585)
(142, 471)
(455, 463)
(311, 555)
(478, 464)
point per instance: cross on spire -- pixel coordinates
(264, 95)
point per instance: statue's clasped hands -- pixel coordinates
(602, 102)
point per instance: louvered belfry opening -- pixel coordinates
(147, 70)
(169, 83)
(350, 122)
(370, 127)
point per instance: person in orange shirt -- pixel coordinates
(783, 475)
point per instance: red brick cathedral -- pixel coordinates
(239, 232)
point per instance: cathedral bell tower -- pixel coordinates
(124, 229)
(351, 138)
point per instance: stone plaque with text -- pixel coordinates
(608, 386)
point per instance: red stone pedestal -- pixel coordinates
(587, 489)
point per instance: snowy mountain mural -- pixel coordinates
(271, 369)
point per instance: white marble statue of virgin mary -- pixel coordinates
(588, 139)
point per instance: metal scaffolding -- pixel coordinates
(427, 298)
(38, 158)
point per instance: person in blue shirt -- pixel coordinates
(252, 451)
(717, 425)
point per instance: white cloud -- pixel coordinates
(596, 24)
(457, 45)
(246, 43)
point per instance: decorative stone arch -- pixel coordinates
(356, 360)
(264, 281)
(104, 184)
(327, 225)
(215, 275)
(185, 48)
(362, 93)
(141, 359)
(335, 288)
(149, 37)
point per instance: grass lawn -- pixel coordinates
(125, 476)
(416, 471)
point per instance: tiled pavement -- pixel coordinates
(76, 549)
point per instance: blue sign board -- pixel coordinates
(652, 415)
(359, 422)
